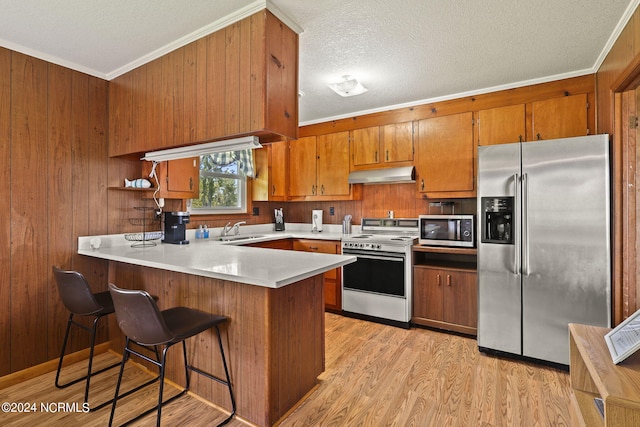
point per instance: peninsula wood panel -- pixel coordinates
(274, 339)
(53, 137)
(5, 194)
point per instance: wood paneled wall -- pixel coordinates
(53, 166)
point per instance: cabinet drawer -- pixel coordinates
(322, 246)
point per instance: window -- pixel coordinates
(223, 183)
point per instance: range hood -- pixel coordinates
(401, 175)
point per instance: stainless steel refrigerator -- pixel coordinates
(543, 244)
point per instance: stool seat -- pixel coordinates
(144, 324)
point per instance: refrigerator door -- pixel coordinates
(565, 242)
(499, 286)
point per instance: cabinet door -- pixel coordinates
(365, 146)
(501, 125)
(396, 141)
(333, 164)
(183, 175)
(302, 169)
(460, 297)
(559, 117)
(278, 166)
(446, 154)
(332, 278)
(427, 293)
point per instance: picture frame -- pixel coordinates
(624, 339)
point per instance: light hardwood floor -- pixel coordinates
(375, 375)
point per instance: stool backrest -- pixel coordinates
(139, 317)
(75, 292)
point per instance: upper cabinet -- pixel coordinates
(319, 168)
(240, 80)
(446, 156)
(561, 117)
(271, 172)
(501, 125)
(177, 179)
(382, 146)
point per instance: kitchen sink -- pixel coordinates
(239, 237)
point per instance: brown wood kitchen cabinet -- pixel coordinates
(239, 80)
(271, 172)
(179, 179)
(560, 117)
(333, 278)
(319, 168)
(445, 156)
(382, 146)
(445, 298)
(501, 125)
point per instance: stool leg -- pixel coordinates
(226, 372)
(64, 346)
(161, 385)
(125, 356)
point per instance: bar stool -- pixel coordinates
(80, 301)
(144, 324)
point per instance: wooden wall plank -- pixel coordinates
(5, 195)
(60, 197)
(232, 87)
(29, 211)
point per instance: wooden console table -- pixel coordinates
(593, 374)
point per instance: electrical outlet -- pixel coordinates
(332, 211)
(256, 211)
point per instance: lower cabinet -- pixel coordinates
(445, 298)
(333, 278)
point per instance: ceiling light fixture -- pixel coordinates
(349, 86)
(204, 149)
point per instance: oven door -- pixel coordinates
(377, 272)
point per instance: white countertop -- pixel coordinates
(231, 261)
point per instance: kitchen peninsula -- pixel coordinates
(273, 298)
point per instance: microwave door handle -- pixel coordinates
(458, 229)
(516, 249)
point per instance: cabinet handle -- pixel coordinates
(191, 183)
(322, 189)
(313, 248)
(376, 157)
(387, 155)
(448, 280)
(313, 190)
(422, 184)
(520, 138)
(438, 279)
(539, 137)
(273, 189)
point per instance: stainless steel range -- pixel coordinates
(378, 285)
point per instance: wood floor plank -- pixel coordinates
(376, 375)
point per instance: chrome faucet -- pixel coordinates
(236, 227)
(226, 229)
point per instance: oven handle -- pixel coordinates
(397, 258)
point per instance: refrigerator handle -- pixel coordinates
(525, 225)
(516, 250)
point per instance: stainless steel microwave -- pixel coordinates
(447, 230)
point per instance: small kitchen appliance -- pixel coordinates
(316, 220)
(378, 286)
(447, 230)
(175, 227)
(279, 218)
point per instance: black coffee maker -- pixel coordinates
(175, 228)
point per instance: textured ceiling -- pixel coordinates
(405, 52)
